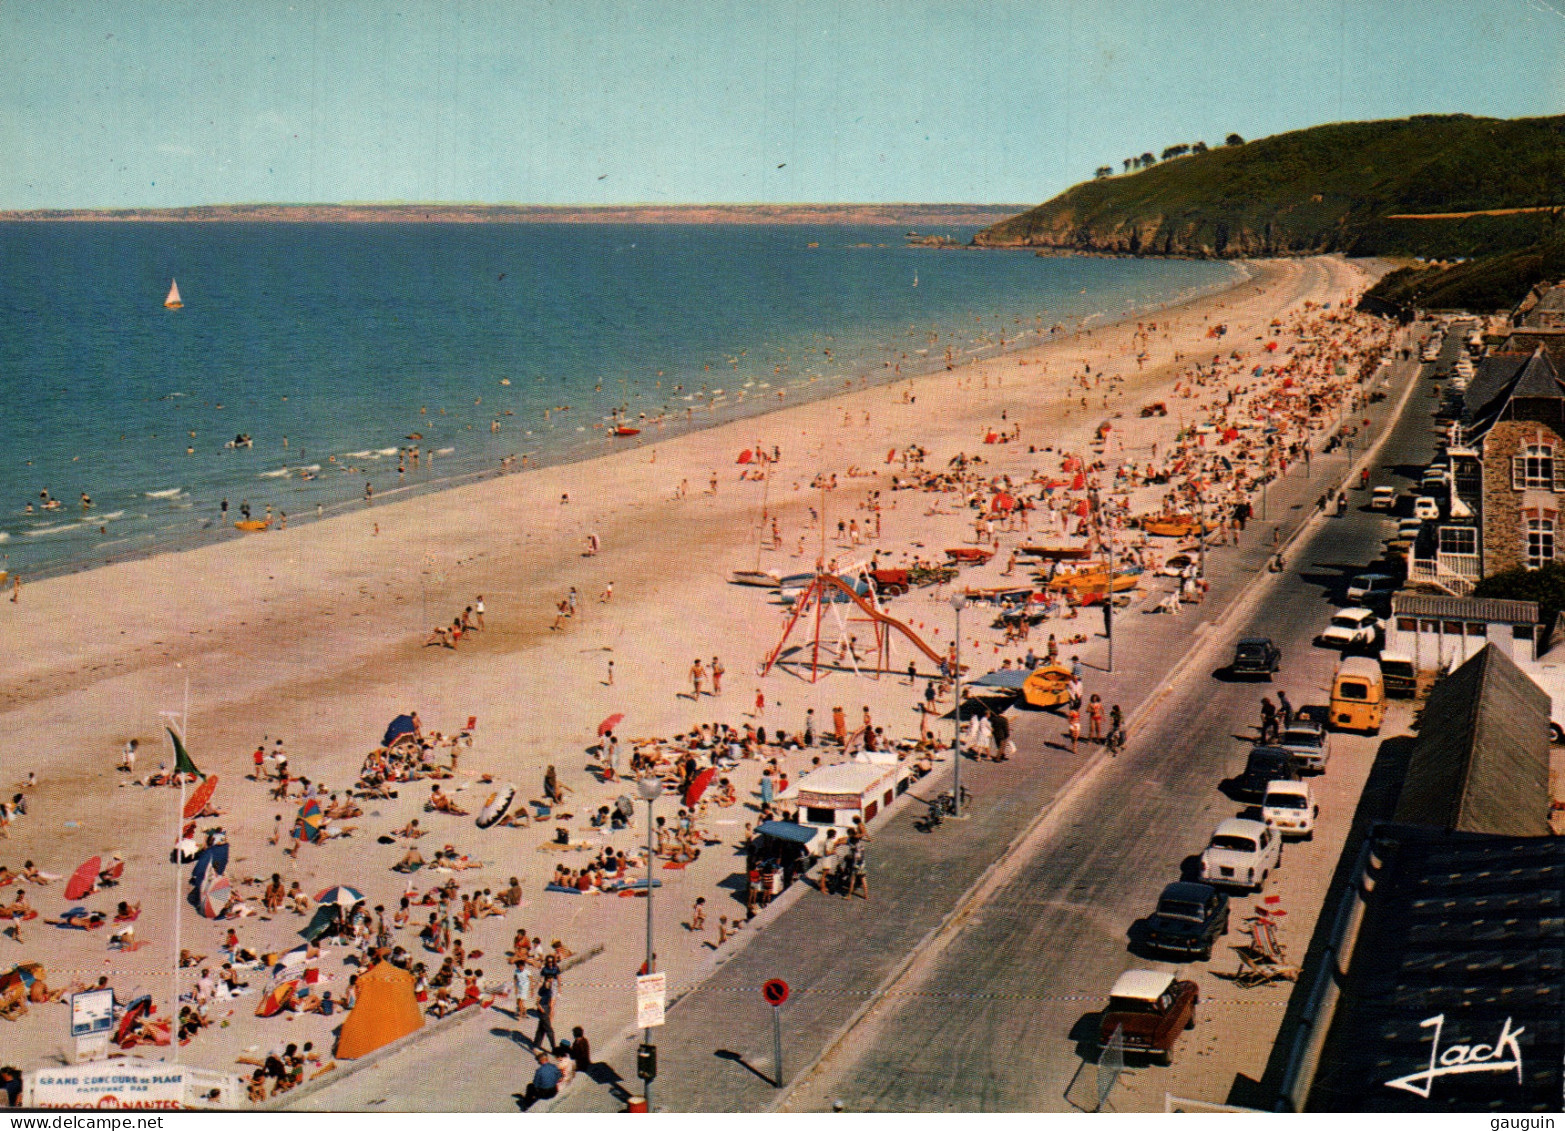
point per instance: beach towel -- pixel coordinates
(563, 890)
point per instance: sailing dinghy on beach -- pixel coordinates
(173, 301)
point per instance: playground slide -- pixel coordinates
(889, 621)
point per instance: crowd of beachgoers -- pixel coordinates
(484, 871)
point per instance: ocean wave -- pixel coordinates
(448, 451)
(4, 537)
(110, 515)
(166, 493)
(361, 455)
(310, 467)
(61, 529)
(280, 473)
(386, 452)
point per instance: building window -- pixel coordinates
(1406, 624)
(1476, 628)
(1540, 542)
(1533, 468)
(1458, 540)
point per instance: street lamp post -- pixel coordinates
(957, 601)
(649, 788)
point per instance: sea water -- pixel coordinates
(339, 348)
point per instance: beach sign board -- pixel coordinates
(92, 1011)
(109, 1085)
(651, 992)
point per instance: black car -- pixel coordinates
(1188, 920)
(1265, 764)
(1256, 655)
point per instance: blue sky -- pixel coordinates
(131, 103)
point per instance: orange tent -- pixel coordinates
(386, 1011)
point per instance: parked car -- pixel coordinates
(1309, 743)
(1256, 655)
(1352, 628)
(1149, 1008)
(1426, 508)
(1368, 587)
(1241, 854)
(1265, 764)
(1289, 807)
(1189, 919)
(1383, 499)
(1398, 675)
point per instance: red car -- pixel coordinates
(1150, 1008)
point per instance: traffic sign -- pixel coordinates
(775, 992)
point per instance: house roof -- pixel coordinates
(1537, 378)
(1464, 926)
(1491, 377)
(1481, 762)
(1490, 609)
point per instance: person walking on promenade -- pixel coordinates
(1284, 711)
(545, 1011)
(697, 676)
(1268, 720)
(1095, 718)
(858, 878)
(1074, 717)
(717, 676)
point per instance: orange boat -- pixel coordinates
(1095, 580)
(252, 524)
(970, 555)
(1174, 526)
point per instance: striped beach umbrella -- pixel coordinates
(341, 895)
(311, 819)
(216, 896)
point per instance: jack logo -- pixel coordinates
(1502, 1056)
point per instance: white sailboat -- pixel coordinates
(173, 302)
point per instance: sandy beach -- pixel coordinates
(317, 635)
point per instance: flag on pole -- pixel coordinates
(182, 762)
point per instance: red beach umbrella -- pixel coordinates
(1003, 503)
(198, 799)
(84, 879)
(609, 724)
(745, 456)
(698, 786)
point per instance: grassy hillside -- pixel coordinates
(1494, 282)
(1330, 188)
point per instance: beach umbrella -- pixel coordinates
(276, 998)
(698, 786)
(23, 974)
(84, 879)
(1003, 503)
(745, 456)
(216, 896)
(402, 724)
(609, 724)
(198, 799)
(341, 896)
(495, 808)
(213, 859)
(310, 814)
(134, 1012)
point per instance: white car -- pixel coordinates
(1383, 499)
(1352, 628)
(1409, 527)
(1241, 854)
(1425, 508)
(1289, 807)
(1308, 741)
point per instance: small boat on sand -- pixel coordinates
(624, 431)
(1174, 526)
(970, 555)
(1057, 553)
(250, 525)
(763, 578)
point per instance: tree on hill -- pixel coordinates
(1105, 171)
(1129, 161)
(1233, 139)
(1175, 151)
(1147, 160)
(1198, 147)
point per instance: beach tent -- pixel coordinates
(386, 1011)
(402, 724)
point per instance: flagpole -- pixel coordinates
(179, 875)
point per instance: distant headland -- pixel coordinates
(912, 215)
